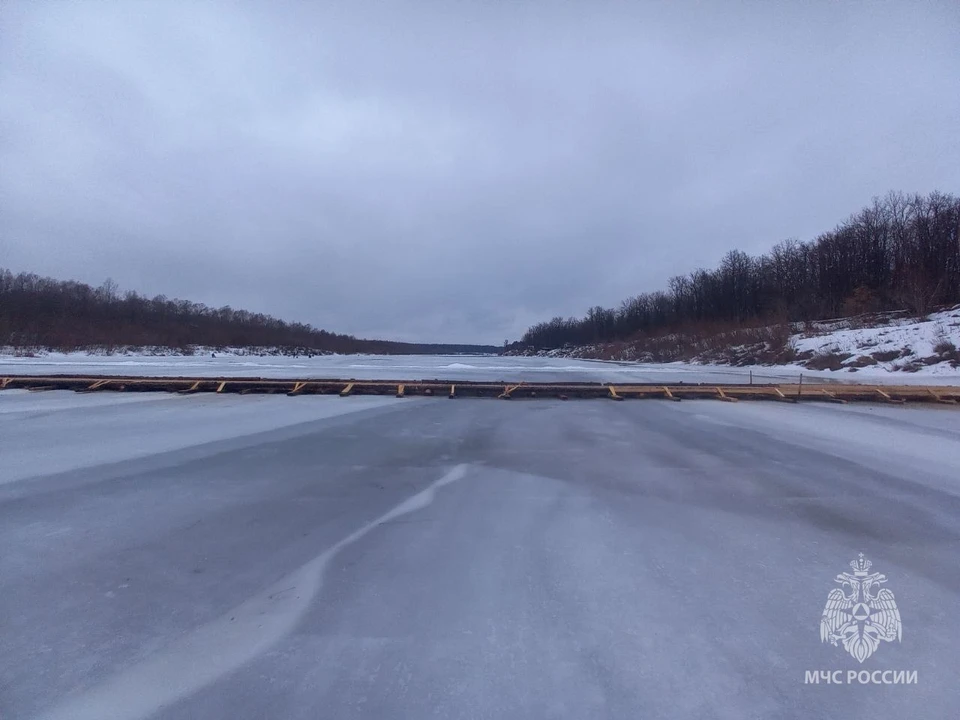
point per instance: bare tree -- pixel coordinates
(899, 252)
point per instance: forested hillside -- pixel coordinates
(66, 315)
(901, 252)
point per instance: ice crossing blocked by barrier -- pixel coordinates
(833, 392)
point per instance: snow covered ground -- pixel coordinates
(922, 347)
(886, 347)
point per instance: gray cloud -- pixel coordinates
(454, 171)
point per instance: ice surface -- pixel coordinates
(101, 428)
(434, 367)
(227, 642)
(582, 559)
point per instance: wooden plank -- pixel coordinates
(832, 397)
(192, 389)
(886, 397)
(724, 396)
(505, 395)
(838, 392)
(778, 395)
(940, 399)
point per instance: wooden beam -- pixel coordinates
(505, 395)
(723, 396)
(192, 389)
(783, 398)
(836, 392)
(886, 397)
(940, 399)
(831, 397)
(94, 386)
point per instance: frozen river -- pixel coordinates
(171, 557)
(422, 367)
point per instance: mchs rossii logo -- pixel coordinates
(859, 615)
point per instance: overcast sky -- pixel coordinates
(454, 171)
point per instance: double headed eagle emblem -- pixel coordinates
(859, 613)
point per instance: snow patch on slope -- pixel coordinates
(927, 346)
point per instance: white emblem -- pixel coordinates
(860, 613)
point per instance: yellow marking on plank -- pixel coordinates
(832, 397)
(192, 388)
(221, 386)
(724, 396)
(780, 396)
(98, 384)
(453, 391)
(613, 393)
(670, 395)
(347, 390)
(399, 390)
(4, 382)
(939, 399)
(886, 397)
(505, 395)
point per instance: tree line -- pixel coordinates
(900, 252)
(67, 315)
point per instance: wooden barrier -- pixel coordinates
(832, 392)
